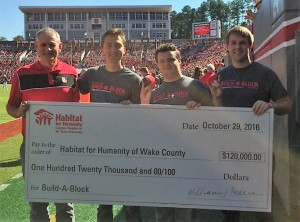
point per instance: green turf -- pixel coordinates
(4, 117)
(10, 164)
(12, 205)
(9, 149)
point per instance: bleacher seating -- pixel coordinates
(88, 54)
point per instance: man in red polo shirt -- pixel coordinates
(47, 79)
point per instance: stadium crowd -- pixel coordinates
(88, 54)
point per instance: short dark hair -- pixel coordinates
(241, 31)
(114, 32)
(167, 47)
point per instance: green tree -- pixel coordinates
(18, 38)
(238, 11)
(174, 23)
(202, 12)
(3, 38)
(184, 21)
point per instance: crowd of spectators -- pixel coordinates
(139, 54)
(10, 60)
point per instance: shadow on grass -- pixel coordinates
(148, 215)
(10, 163)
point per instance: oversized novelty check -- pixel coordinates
(149, 155)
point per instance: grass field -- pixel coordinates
(3, 100)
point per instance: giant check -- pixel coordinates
(149, 155)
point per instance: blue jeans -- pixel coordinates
(39, 211)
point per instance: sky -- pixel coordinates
(12, 19)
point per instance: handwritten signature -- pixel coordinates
(205, 192)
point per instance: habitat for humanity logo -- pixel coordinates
(68, 123)
(64, 123)
(43, 117)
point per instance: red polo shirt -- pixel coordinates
(35, 82)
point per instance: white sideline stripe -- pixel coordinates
(17, 176)
(4, 186)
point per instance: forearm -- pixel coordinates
(145, 95)
(15, 111)
(282, 106)
(145, 100)
(217, 102)
(216, 93)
